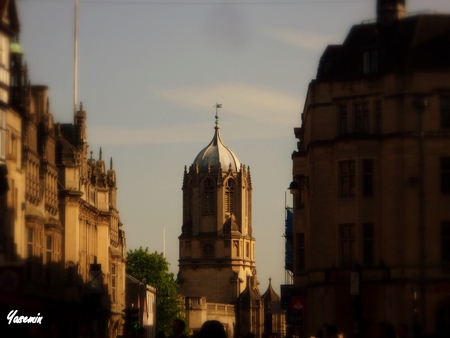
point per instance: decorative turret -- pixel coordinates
(215, 154)
(100, 163)
(111, 180)
(80, 119)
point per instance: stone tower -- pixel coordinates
(217, 249)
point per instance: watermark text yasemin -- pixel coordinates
(13, 318)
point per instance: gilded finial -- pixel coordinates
(100, 154)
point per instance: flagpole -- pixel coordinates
(164, 241)
(75, 59)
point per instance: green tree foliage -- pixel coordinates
(153, 269)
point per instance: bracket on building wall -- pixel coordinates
(299, 181)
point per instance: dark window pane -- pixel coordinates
(367, 178)
(445, 175)
(368, 243)
(445, 241)
(445, 112)
(347, 178)
(342, 119)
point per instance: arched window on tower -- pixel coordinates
(208, 197)
(229, 197)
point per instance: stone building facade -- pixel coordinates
(10, 136)
(94, 239)
(217, 247)
(62, 247)
(371, 178)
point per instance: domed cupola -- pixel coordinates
(216, 241)
(216, 154)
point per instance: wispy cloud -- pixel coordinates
(149, 135)
(260, 103)
(310, 41)
(259, 113)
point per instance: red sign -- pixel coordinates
(298, 304)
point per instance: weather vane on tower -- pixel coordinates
(218, 105)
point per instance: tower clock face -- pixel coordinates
(208, 249)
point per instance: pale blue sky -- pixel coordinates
(150, 73)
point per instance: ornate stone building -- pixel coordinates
(94, 239)
(217, 248)
(62, 247)
(371, 178)
(10, 136)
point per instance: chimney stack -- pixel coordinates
(389, 11)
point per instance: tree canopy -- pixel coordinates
(153, 269)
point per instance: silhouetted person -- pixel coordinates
(178, 327)
(160, 334)
(212, 329)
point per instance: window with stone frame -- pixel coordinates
(342, 119)
(361, 117)
(208, 249)
(347, 245)
(370, 61)
(445, 175)
(208, 197)
(236, 247)
(229, 196)
(347, 178)
(367, 178)
(445, 111)
(378, 109)
(445, 241)
(48, 258)
(113, 283)
(368, 243)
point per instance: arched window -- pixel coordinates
(229, 197)
(208, 197)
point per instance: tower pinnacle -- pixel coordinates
(218, 105)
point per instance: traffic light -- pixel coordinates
(131, 318)
(135, 319)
